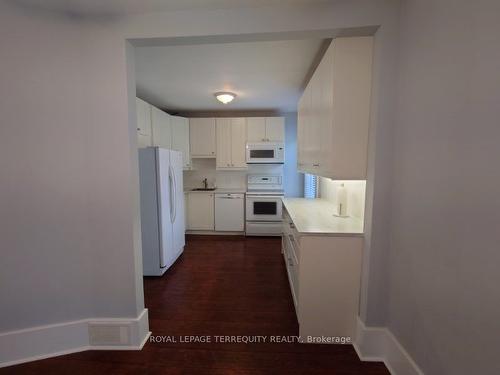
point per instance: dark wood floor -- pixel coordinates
(219, 286)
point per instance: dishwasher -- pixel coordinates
(229, 212)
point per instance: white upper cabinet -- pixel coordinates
(238, 143)
(180, 138)
(144, 133)
(202, 137)
(231, 139)
(334, 112)
(223, 143)
(162, 129)
(256, 129)
(275, 129)
(265, 129)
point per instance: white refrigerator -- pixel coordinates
(162, 208)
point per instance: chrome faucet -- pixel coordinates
(205, 183)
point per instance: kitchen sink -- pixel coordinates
(203, 189)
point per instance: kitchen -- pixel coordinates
(233, 172)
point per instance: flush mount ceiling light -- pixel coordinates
(225, 96)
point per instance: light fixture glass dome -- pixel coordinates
(225, 96)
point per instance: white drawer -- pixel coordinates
(264, 228)
(294, 248)
(292, 269)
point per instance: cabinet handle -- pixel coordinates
(138, 129)
(292, 225)
(316, 165)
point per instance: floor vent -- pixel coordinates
(104, 334)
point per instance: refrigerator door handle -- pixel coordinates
(170, 182)
(173, 194)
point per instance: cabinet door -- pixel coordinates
(275, 129)
(300, 132)
(352, 77)
(143, 111)
(313, 134)
(161, 128)
(201, 211)
(326, 109)
(256, 129)
(202, 137)
(223, 143)
(180, 139)
(305, 137)
(238, 144)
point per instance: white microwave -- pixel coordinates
(265, 153)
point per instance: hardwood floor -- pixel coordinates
(220, 286)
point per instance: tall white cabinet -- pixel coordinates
(231, 143)
(334, 112)
(144, 132)
(180, 138)
(157, 128)
(162, 128)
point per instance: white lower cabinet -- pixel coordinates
(200, 211)
(324, 274)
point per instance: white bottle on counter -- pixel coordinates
(342, 201)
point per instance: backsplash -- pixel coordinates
(355, 194)
(205, 168)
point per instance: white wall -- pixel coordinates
(443, 267)
(67, 205)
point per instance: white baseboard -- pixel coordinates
(379, 344)
(52, 340)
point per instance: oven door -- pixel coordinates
(263, 208)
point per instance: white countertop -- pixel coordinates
(315, 217)
(218, 191)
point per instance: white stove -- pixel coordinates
(263, 205)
